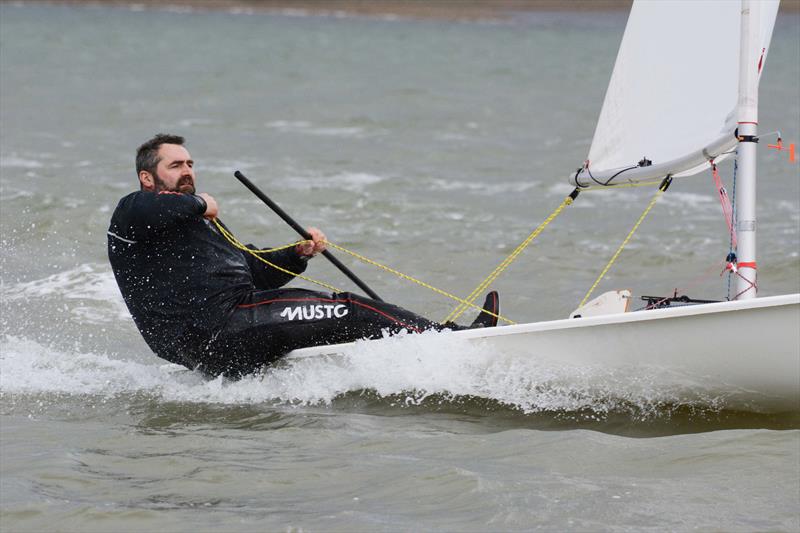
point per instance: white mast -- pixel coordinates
(751, 58)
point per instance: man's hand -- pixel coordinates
(313, 247)
(212, 209)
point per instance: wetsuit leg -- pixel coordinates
(269, 324)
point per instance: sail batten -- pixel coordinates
(674, 89)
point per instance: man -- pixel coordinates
(204, 304)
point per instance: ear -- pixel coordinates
(147, 181)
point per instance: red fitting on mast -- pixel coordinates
(781, 148)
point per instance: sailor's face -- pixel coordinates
(175, 171)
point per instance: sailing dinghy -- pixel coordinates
(741, 354)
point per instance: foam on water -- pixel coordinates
(192, 122)
(30, 367)
(92, 285)
(343, 181)
(224, 166)
(8, 195)
(419, 366)
(19, 162)
(308, 128)
(688, 201)
(491, 188)
(408, 369)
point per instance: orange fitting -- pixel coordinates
(779, 147)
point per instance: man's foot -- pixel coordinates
(485, 320)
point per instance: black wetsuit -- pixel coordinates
(201, 303)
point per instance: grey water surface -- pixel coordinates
(433, 147)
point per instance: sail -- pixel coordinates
(673, 93)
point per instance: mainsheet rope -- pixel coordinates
(414, 280)
(255, 253)
(464, 303)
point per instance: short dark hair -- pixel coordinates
(147, 154)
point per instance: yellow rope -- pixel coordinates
(237, 244)
(656, 196)
(468, 302)
(278, 249)
(414, 280)
(459, 310)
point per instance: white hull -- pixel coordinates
(746, 353)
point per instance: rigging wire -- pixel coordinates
(731, 254)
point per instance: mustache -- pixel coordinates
(186, 184)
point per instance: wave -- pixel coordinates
(407, 371)
(308, 128)
(480, 187)
(427, 371)
(19, 162)
(343, 181)
(91, 289)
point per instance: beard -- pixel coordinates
(185, 185)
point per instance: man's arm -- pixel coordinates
(144, 214)
(295, 260)
(266, 277)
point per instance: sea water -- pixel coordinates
(434, 147)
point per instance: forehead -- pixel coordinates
(173, 152)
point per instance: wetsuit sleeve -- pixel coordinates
(265, 277)
(146, 214)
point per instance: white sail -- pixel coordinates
(673, 93)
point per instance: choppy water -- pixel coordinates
(434, 147)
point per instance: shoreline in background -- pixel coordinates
(415, 9)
